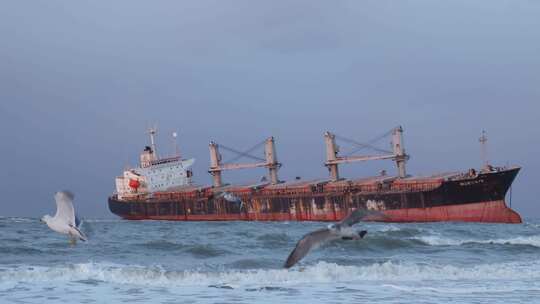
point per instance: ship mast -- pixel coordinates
(331, 155)
(175, 144)
(483, 149)
(399, 152)
(152, 132)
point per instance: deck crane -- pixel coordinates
(269, 161)
(397, 154)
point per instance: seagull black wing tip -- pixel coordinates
(289, 264)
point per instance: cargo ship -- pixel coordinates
(162, 189)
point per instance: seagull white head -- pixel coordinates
(64, 195)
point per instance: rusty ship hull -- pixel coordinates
(478, 197)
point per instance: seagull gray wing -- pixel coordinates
(310, 241)
(64, 208)
(360, 215)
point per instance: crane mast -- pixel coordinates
(397, 154)
(270, 162)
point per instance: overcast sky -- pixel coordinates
(81, 80)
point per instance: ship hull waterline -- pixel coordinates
(477, 199)
(486, 212)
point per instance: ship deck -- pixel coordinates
(372, 184)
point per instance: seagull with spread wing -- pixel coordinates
(65, 221)
(342, 230)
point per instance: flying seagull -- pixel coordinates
(65, 221)
(341, 230)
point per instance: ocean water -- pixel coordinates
(241, 262)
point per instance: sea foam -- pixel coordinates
(437, 240)
(321, 272)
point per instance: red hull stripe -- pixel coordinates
(489, 212)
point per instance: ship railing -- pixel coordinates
(135, 197)
(385, 187)
(165, 160)
(303, 191)
(291, 191)
(415, 187)
(179, 195)
(164, 196)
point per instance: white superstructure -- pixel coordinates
(154, 174)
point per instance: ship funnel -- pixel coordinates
(147, 157)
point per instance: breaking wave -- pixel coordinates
(444, 241)
(491, 290)
(18, 219)
(394, 228)
(321, 272)
(385, 243)
(533, 225)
